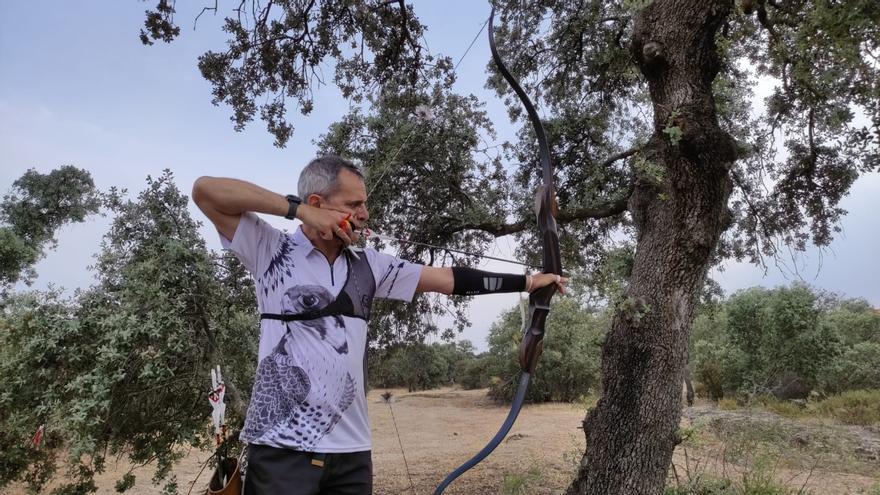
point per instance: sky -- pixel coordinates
(77, 87)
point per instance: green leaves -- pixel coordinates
(36, 207)
(569, 366)
(420, 366)
(431, 179)
(763, 339)
(122, 367)
(277, 52)
(820, 57)
(673, 130)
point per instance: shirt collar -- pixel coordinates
(299, 237)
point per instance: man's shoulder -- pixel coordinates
(373, 255)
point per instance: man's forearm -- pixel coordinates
(472, 282)
(234, 197)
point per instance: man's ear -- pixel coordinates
(314, 200)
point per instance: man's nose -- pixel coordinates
(363, 215)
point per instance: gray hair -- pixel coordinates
(319, 176)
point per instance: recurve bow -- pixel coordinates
(539, 300)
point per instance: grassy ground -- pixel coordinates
(735, 450)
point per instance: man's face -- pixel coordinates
(350, 196)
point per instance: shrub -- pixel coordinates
(569, 365)
(422, 366)
(476, 373)
(709, 369)
(789, 341)
(760, 480)
(857, 368)
(855, 407)
(703, 485)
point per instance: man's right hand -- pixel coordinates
(329, 223)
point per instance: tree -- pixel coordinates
(780, 338)
(570, 360)
(38, 205)
(122, 368)
(648, 107)
(855, 321)
(420, 366)
(788, 341)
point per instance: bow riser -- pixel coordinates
(532, 344)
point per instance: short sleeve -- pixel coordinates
(395, 278)
(253, 243)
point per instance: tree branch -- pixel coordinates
(609, 209)
(620, 156)
(204, 9)
(604, 210)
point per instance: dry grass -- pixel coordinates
(440, 429)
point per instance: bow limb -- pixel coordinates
(539, 300)
(515, 407)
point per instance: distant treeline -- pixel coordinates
(790, 342)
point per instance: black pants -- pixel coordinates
(272, 471)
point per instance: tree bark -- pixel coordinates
(679, 211)
(689, 386)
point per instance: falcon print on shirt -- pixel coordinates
(288, 406)
(279, 265)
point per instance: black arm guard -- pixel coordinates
(472, 282)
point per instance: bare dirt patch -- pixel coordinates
(440, 429)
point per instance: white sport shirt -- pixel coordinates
(308, 392)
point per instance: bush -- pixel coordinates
(857, 368)
(420, 366)
(703, 485)
(781, 336)
(476, 373)
(855, 321)
(760, 479)
(787, 408)
(569, 365)
(121, 369)
(871, 490)
(416, 367)
(709, 369)
(855, 407)
(788, 341)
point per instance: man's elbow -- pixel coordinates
(201, 190)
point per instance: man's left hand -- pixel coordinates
(539, 280)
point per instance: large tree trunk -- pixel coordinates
(679, 210)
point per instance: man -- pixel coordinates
(307, 425)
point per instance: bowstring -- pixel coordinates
(389, 163)
(388, 166)
(412, 487)
(383, 237)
